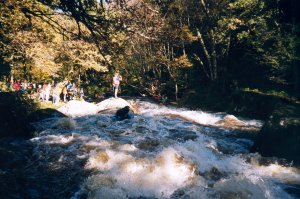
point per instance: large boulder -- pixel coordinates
(112, 104)
(280, 135)
(78, 108)
(82, 108)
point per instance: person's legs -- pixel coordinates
(47, 96)
(41, 97)
(53, 98)
(56, 99)
(116, 91)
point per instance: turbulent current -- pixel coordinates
(163, 152)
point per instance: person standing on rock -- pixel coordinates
(116, 83)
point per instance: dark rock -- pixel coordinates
(280, 135)
(214, 174)
(182, 135)
(148, 144)
(179, 193)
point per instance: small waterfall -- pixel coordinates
(163, 152)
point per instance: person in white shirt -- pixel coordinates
(116, 83)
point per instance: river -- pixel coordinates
(163, 152)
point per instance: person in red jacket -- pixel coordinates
(16, 86)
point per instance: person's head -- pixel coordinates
(127, 108)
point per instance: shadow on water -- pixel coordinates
(21, 174)
(28, 174)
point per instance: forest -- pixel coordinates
(239, 57)
(173, 48)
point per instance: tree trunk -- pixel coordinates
(24, 70)
(214, 60)
(30, 74)
(206, 55)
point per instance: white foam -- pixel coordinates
(150, 109)
(122, 167)
(199, 117)
(284, 174)
(165, 173)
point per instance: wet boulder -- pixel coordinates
(214, 174)
(179, 193)
(230, 121)
(149, 144)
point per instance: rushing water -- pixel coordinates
(163, 152)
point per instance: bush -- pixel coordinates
(15, 109)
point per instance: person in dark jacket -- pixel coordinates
(124, 113)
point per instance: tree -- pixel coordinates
(37, 42)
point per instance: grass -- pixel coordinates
(49, 104)
(273, 93)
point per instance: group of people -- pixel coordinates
(64, 90)
(68, 91)
(46, 91)
(20, 86)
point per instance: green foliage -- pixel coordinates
(274, 93)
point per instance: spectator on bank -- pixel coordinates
(47, 91)
(16, 86)
(56, 91)
(65, 93)
(41, 93)
(116, 83)
(81, 93)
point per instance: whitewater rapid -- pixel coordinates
(163, 152)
